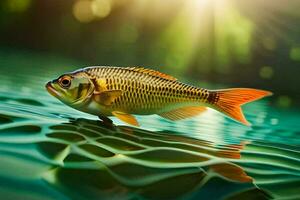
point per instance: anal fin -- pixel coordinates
(182, 113)
(125, 117)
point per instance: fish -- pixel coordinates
(123, 92)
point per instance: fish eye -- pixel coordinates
(65, 82)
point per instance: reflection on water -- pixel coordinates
(49, 151)
(127, 162)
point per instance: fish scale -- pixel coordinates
(143, 91)
(123, 91)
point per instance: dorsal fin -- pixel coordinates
(153, 73)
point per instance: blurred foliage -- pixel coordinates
(241, 43)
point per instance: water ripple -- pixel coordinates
(84, 159)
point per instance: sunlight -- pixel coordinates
(191, 24)
(198, 22)
(233, 35)
(186, 37)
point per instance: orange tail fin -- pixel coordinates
(228, 101)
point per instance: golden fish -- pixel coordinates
(123, 91)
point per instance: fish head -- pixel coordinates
(71, 88)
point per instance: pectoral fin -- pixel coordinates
(107, 97)
(130, 119)
(182, 113)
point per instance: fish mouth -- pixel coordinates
(51, 89)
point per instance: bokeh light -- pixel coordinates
(88, 10)
(266, 72)
(295, 53)
(82, 11)
(284, 101)
(101, 8)
(17, 5)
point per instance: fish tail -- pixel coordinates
(229, 101)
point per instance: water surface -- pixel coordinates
(50, 151)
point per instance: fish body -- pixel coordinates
(123, 91)
(144, 92)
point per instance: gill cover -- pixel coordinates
(73, 89)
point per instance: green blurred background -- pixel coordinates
(251, 43)
(209, 43)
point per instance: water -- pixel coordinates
(50, 151)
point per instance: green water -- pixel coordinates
(50, 151)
